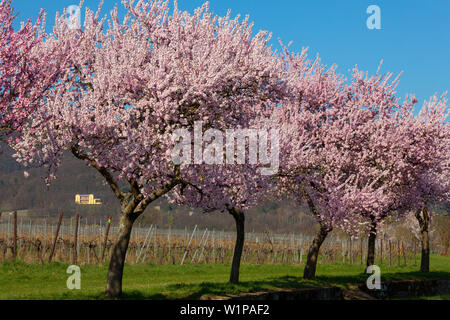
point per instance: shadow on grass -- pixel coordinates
(196, 291)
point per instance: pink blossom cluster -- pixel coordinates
(127, 89)
(355, 151)
(29, 66)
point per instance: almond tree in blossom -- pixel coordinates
(27, 69)
(378, 161)
(128, 89)
(405, 163)
(339, 150)
(426, 156)
(307, 171)
(370, 145)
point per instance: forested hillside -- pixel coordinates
(74, 177)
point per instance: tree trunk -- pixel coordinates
(424, 222)
(117, 263)
(371, 244)
(239, 218)
(133, 204)
(313, 253)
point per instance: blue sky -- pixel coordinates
(414, 35)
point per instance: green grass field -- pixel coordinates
(22, 281)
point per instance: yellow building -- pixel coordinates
(86, 199)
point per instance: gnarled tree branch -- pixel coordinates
(102, 170)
